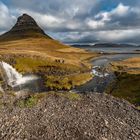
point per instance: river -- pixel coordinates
(102, 76)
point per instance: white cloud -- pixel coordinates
(120, 10)
(95, 24)
(76, 20)
(121, 17)
(6, 19)
(46, 21)
(118, 35)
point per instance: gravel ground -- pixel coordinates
(93, 117)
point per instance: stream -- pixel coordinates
(102, 76)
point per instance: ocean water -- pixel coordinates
(134, 49)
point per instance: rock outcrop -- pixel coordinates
(26, 23)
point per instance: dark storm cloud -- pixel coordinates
(79, 20)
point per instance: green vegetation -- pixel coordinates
(80, 78)
(71, 96)
(66, 82)
(32, 100)
(58, 83)
(57, 76)
(127, 87)
(29, 64)
(68, 95)
(29, 102)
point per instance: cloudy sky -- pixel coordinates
(78, 21)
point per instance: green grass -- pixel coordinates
(68, 95)
(66, 82)
(127, 87)
(71, 96)
(29, 64)
(58, 83)
(57, 76)
(34, 99)
(80, 79)
(27, 103)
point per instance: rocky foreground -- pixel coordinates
(90, 117)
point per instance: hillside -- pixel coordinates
(27, 48)
(27, 37)
(127, 84)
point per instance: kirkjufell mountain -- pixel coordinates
(25, 27)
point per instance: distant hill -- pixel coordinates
(104, 45)
(112, 45)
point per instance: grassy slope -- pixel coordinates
(128, 80)
(131, 65)
(36, 55)
(44, 48)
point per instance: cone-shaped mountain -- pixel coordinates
(25, 27)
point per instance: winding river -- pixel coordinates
(102, 76)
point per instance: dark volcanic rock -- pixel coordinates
(26, 23)
(93, 117)
(25, 27)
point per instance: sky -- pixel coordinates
(78, 21)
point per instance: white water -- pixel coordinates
(13, 77)
(98, 73)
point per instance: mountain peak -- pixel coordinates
(25, 27)
(26, 23)
(25, 20)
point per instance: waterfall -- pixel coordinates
(12, 77)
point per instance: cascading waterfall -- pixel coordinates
(12, 77)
